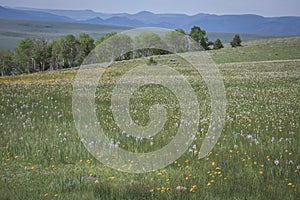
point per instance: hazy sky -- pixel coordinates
(261, 7)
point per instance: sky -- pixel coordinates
(267, 8)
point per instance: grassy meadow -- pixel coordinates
(256, 157)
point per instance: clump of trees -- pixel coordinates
(34, 55)
(38, 55)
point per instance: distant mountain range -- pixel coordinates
(251, 24)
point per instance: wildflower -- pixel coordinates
(32, 168)
(55, 195)
(261, 172)
(180, 188)
(213, 163)
(152, 190)
(291, 162)
(193, 188)
(249, 136)
(111, 178)
(46, 194)
(290, 184)
(276, 162)
(89, 178)
(254, 163)
(273, 139)
(163, 189)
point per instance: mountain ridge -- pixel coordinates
(246, 23)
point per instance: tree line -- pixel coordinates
(38, 55)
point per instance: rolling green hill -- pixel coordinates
(14, 30)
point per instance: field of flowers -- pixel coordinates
(256, 157)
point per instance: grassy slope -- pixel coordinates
(42, 157)
(260, 50)
(13, 30)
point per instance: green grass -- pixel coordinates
(41, 156)
(260, 50)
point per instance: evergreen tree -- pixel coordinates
(236, 42)
(218, 44)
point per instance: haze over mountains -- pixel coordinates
(252, 24)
